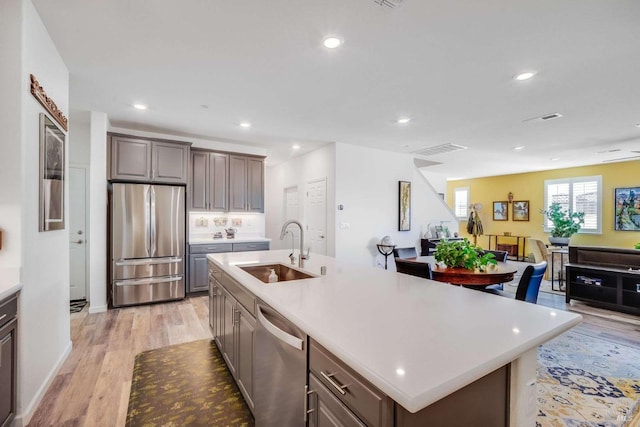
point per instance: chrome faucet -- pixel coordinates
(284, 232)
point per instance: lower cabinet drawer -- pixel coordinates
(592, 292)
(250, 246)
(214, 248)
(363, 398)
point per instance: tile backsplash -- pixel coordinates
(204, 224)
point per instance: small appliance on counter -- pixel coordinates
(231, 232)
(217, 235)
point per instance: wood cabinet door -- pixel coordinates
(8, 372)
(255, 185)
(246, 347)
(170, 162)
(218, 182)
(228, 330)
(198, 273)
(199, 181)
(237, 184)
(130, 159)
(325, 410)
(218, 314)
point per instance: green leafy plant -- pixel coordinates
(462, 253)
(565, 224)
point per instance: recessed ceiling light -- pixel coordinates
(400, 372)
(403, 120)
(520, 147)
(295, 146)
(553, 159)
(638, 125)
(516, 330)
(525, 76)
(245, 124)
(140, 106)
(332, 42)
(205, 106)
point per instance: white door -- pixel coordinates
(78, 232)
(316, 214)
(291, 211)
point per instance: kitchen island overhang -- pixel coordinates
(418, 341)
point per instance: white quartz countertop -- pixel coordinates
(416, 340)
(9, 282)
(209, 240)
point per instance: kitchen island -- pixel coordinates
(417, 341)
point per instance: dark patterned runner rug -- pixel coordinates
(185, 385)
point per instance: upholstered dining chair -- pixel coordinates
(405, 253)
(540, 253)
(419, 269)
(529, 284)
(500, 256)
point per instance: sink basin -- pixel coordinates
(284, 272)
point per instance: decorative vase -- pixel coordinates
(559, 241)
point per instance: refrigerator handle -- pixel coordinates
(147, 215)
(153, 222)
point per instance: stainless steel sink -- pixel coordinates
(285, 273)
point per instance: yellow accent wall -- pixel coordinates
(530, 186)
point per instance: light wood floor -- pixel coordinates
(92, 388)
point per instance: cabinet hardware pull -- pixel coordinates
(3, 316)
(329, 378)
(236, 315)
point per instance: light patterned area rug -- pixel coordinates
(585, 381)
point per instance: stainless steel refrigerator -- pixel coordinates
(147, 230)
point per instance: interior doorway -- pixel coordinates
(316, 215)
(78, 220)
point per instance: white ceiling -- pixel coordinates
(447, 64)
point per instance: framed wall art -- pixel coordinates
(520, 210)
(501, 211)
(627, 209)
(404, 206)
(52, 159)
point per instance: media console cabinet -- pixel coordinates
(609, 277)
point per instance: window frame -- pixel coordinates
(571, 182)
(466, 205)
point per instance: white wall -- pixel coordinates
(44, 320)
(79, 135)
(367, 186)
(299, 171)
(97, 234)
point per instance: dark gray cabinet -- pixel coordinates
(246, 184)
(209, 181)
(144, 160)
(198, 278)
(8, 359)
(325, 410)
(233, 326)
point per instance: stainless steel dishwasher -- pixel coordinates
(280, 363)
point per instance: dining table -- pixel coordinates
(502, 272)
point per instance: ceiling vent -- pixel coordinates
(391, 4)
(544, 118)
(439, 149)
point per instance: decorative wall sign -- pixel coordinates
(51, 175)
(404, 206)
(501, 211)
(38, 93)
(521, 210)
(627, 208)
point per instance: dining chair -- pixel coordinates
(500, 256)
(405, 253)
(418, 269)
(529, 284)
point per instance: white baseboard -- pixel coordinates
(23, 418)
(97, 309)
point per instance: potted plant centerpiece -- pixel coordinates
(565, 224)
(463, 254)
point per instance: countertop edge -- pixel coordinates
(8, 291)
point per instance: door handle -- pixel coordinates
(321, 236)
(79, 241)
(79, 231)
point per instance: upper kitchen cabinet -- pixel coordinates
(208, 181)
(145, 160)
(246, 184)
